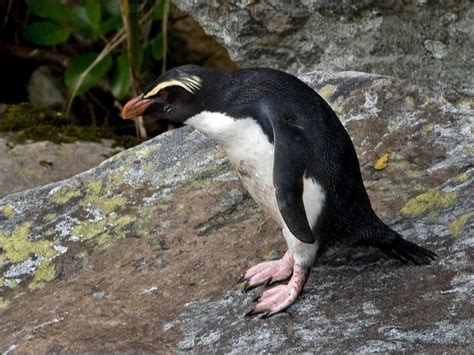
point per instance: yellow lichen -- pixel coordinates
(457, 225)
(382, 162)
(64, 194)
(427, 129)
(463, 177)
(46, 272)
(117, 178)
(104, 204)
(148, 167)
(2, 282)
(4, 303)
(49, 217)
(327, 91)
(429, 202)
(409, 101)
(271, 255)
(8, 211)
(17, 247)
(104, 231)
(13, 283)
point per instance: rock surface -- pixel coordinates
(415, 39)
(28, 165)
(142, 253)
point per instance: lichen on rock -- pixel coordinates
(176, 199)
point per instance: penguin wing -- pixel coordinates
(289, 167)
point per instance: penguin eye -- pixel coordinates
(164, 95)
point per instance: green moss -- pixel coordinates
(46, 272)
(429, 202)
(8, 211)
(44, 124)
(2, 282)
(4, 303)
(64, 194)
(17, 247)
(456, 226)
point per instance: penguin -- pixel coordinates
(294, 157)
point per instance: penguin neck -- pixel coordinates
(232, 134)
(221, 128)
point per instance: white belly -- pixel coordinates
(252, 155)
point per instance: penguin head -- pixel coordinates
(175, 96)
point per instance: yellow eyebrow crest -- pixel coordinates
(188, 83)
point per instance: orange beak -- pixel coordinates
(135, 107)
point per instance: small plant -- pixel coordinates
(95, 31)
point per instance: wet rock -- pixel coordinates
(107, 226)
(411, 39)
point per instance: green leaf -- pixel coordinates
(93, 11)
(87, 18)
(50, 9)
(121, 78)
(158, 11)
(156, 46)
(45, 33)
(81, 63)
(112, 23)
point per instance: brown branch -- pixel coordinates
(35, 54)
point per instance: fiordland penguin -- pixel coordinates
(293, 156)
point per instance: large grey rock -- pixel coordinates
(33, 164)
(142, 252)
(408, 39)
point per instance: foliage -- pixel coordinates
(89, 25)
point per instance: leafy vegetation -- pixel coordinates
(99, 28)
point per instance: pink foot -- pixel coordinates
(269, 272)
(278, 298)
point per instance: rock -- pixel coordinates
(78, 263)
(410, 39)
(29, 165)
(46, 89)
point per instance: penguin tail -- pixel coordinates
(393, 244)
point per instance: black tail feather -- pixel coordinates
(405, 251)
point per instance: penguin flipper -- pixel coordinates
(289, 167)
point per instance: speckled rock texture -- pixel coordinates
(414, 39)
(33, 164)
(143, 252)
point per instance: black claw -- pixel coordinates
(268, 282)
(241, 278)
(250, 287)
(250, 313)
(265, 315)
(256, 299)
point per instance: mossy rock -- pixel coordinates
(44, 124)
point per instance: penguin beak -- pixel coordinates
(135, 107)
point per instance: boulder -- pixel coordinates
(415, 39)
(143, 252)
(34, 164)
